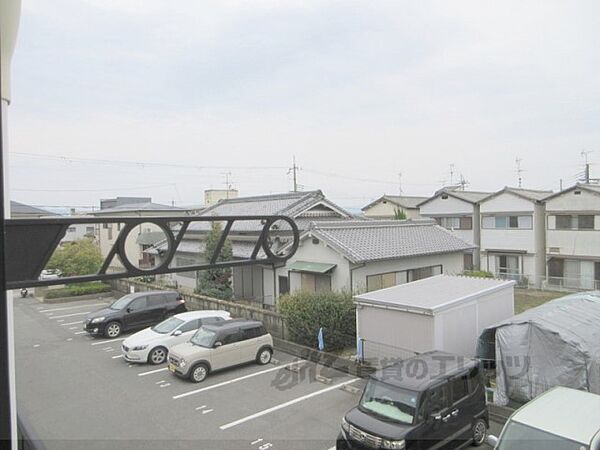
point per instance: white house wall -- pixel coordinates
(388, 209)
(450, 206)
(452, 263)
(506, 202)
(319, 253)
(579, 243)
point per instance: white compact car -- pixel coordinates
(152, 344)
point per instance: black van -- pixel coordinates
(133, 311)
(432, 401)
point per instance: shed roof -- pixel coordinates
(138, 207)
(433, 294)
(363, 241)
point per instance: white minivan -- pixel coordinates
(152, 344)
(559, 419)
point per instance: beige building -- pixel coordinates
(388, 206)
(214, 196)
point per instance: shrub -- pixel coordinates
(74, 290)
(478, 273)
(306, 312)
(80, 257)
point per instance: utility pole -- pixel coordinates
(519, 171)
(561, 184)
(586, 175)
(294, 170)
(451, 174)
(463, 183)
(400, 183)
(227, 176)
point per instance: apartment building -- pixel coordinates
(389, 206)
(573, 237)
(513, 235)
(458, 211)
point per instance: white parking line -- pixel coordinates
(71, 307)
(200, 407)
(143, 374)
(80, 332)
(165, 385)
(286, 404)
(206, 411)
(108, 341)
(74, 328)
(70, 323)
(118, 356)
(69, 315)
(235, 380)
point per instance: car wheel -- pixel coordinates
(479, 432)
(158, 355)
(112, 330)
(199, 373)
(264, 356)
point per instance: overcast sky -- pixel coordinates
(357, 91)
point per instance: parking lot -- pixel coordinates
(78, 392)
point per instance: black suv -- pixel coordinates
(434, 400)
(133, 311)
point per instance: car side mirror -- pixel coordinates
(177, 333)
(217, 344)
(129, 309)
(491, 440)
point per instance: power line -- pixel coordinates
(95, 190)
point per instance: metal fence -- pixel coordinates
(547, 283)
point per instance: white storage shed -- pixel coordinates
(446, 313)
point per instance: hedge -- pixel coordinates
(79, 289)
(305, 312)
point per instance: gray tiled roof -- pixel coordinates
(529, 193)
(292, 204)
(135, 207)
(362, 241)
(241, 249)
(467, 196)
(21, 209)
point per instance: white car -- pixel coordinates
(152, 344)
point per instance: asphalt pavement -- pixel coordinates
(78, 392)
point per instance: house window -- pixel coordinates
(507, 264)
(456, 223)
(507, 222)
(71, 230)
(284, 285)
(468, 261)
(315, 282)
(580, 222)
(381, 281)
(585, 222)
(424, 272)
(89, 230)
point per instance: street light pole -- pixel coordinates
(10, 11)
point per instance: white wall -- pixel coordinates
(569, 202)
(321, 253)
(452, 263)
(506, 202)
(449, 206)
(388, 333)
(387, 210)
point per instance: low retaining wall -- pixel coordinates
(273, 322)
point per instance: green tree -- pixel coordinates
(399, 214)
(305, 312)
(216, 283)
(80, 257)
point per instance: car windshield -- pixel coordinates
(389, 402)
(168, 325)
(517, 436)
(203, 338)
(122, 302)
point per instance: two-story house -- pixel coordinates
(458, 211)
(513, 237)
(573, 237)
(388, 207)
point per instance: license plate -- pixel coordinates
(172, 367)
